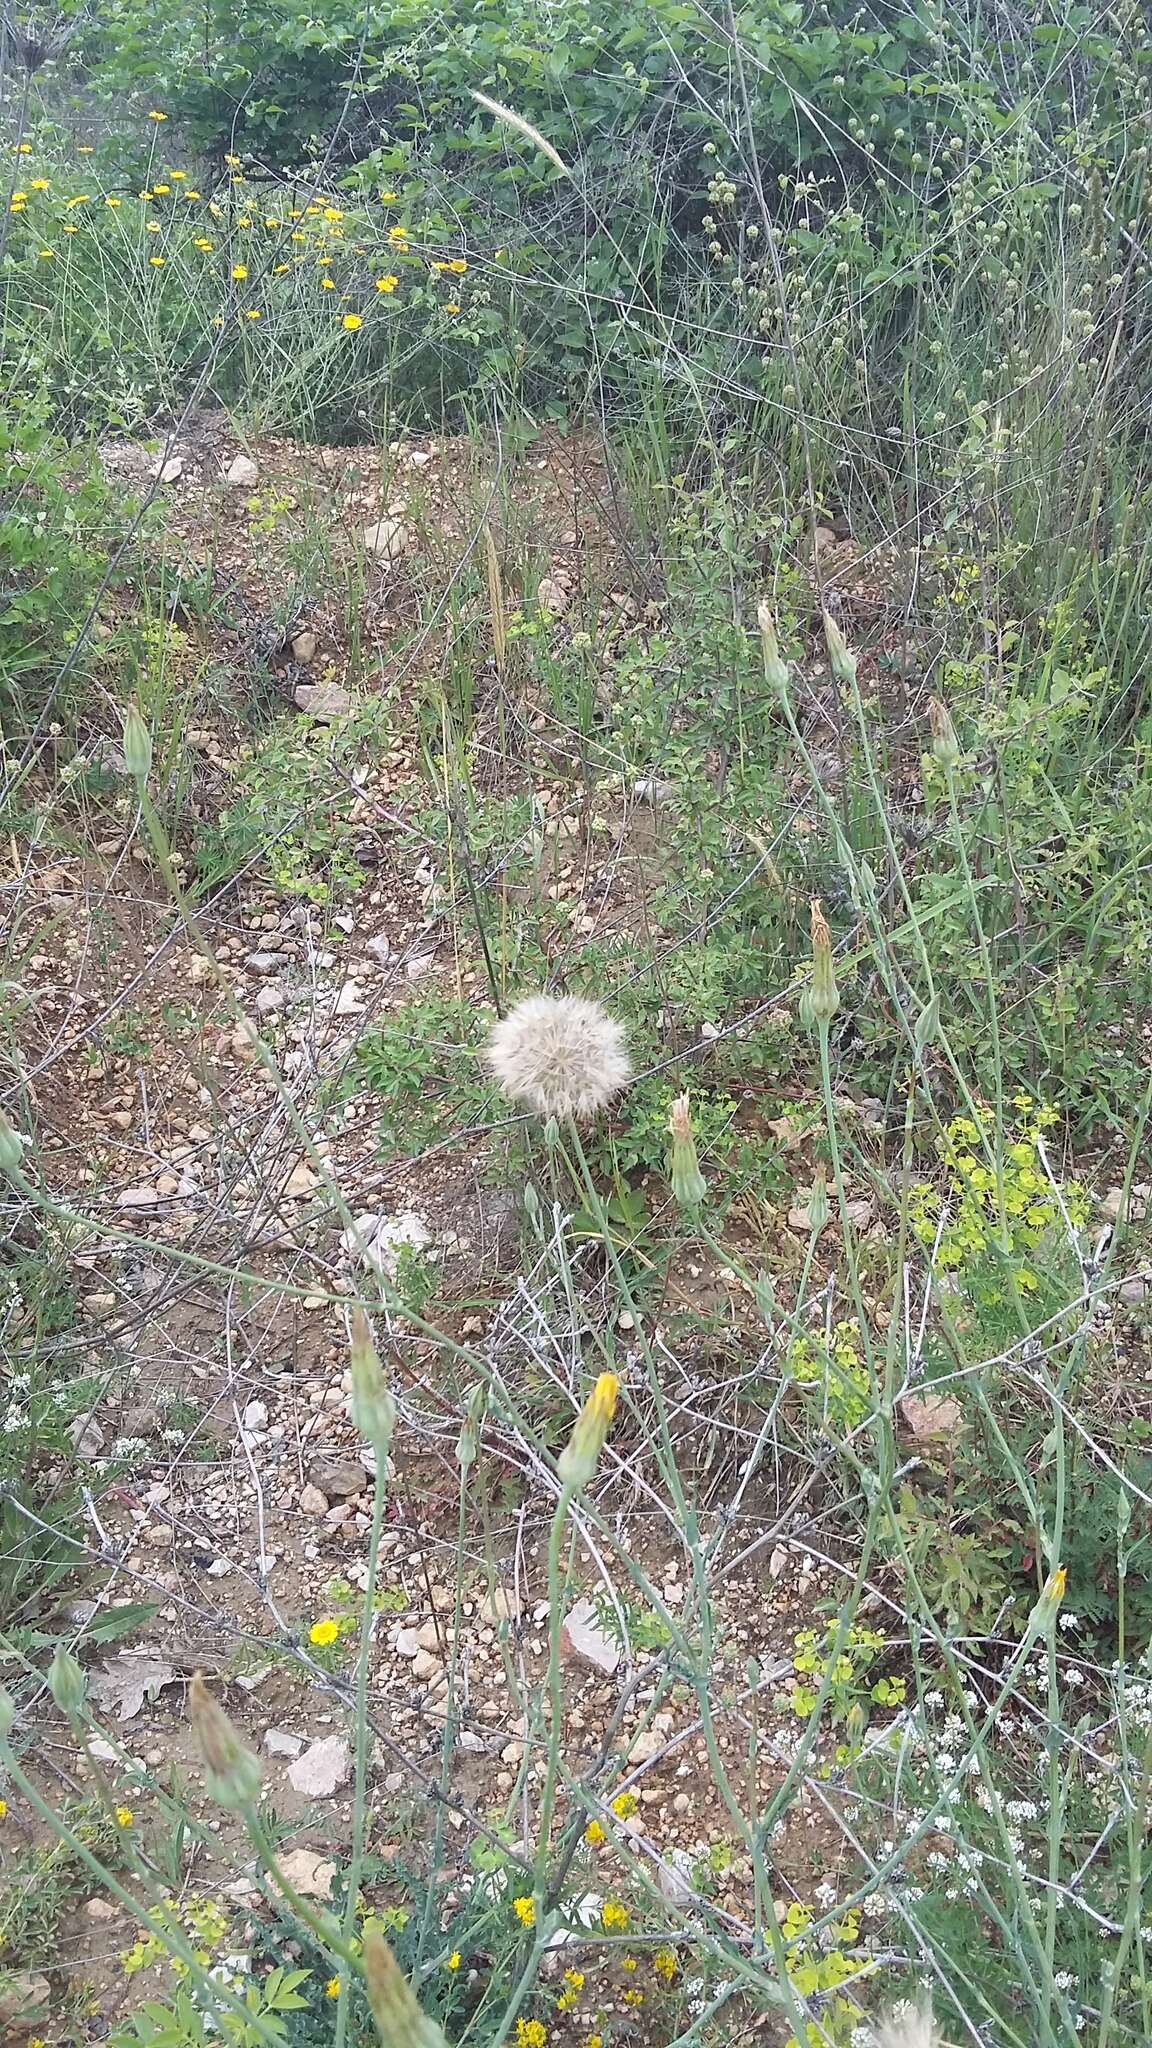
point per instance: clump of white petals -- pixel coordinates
(559, 1055)
(908, 2026)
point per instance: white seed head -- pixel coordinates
(561, 1055)
(908, 2026)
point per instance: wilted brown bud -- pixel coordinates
(231, 1769)
(945, 745)
(825, 996)
(689, 1186)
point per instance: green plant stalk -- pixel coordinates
(360, 1792)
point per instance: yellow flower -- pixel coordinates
(352, 321)
(575, 1978)
(614, 1917)
(525, 1911)
(328, 283)
(161, 188)
(628, 1963)
(594, 1833)
(153, 227)
(397, 233)
(278, 269)
(531, 2034)
(386, 198)
(18, 198)
(22, 149)
(387, 284)
(157, 262)
(270, 220)
(577, 1461)
(323, 1633)
(190, 194)
(245, 221)
(624, 1805)
(451, 306)
(124, 1816)
(39, 184)
(154, 116)
(146, 194)
(233, 160)
(633, 1998)
(3, 1808)
(298, 235)
(333, 213)
(177, 174)
(113, 201)
(453, 1962)
(202, 242)
(67, 229)
(458, 265)
(252, 312)
(332, 1988)
(664, 1964)
(239, 270)
(17, 206)
(85, 148)
(47, 252)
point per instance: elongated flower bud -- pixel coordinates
(689, 1186)
(1048, 1604)
(945, 745)
(825, 996)
(818, 1202)
(373, 1408)
(839, 653)
(231, 1769)
(928, 1022)
(67, 1683)
(775, 667)
(137, 745)
(577, 1461)
(468, 1441)
(11, 1146)
(400, 2022)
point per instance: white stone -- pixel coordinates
(387, 540)
(323, 1769)
(583, 1641)
(242, 473)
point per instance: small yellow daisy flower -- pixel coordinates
(68, 229)
(664, 1964)
(624, 1805)
(3, 1808)
(525, 1911)
(47, 252)
(386, 198)
(332, 1988)
(124, 1816)
(614, 1917)
(176, 174)
(155, 116)
(190, 194)
(112, 200)
(22, 149)
(18, 198)
(531, 2034)
(239, 270)
(594, 1834)
(453, 1962)
(333, 213)
(157, 262)
(397, 233)
(39, 185)
(233, 160)
(387, 284)
(458, 265)
(329, 283)
(323, 1632)
(85, 148)
(352, 321)
(146, 194)
(252, 312)
(161, 188)
(152, 226)
(451, 306)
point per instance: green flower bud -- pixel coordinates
(137, 745)
(839, 653)
(818, 1202)
(373, 1408)
(689, 1186)
(400, 2022)
(67, 1683)
(468, 1440)
(927, 1023)
(231, 1769)
(577, 1461)
(11, 1146)
(775, 667)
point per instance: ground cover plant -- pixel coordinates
(575, 1461)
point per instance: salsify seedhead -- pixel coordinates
(560, 1055)
(908, 2026)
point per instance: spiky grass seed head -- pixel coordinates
(562, 1056)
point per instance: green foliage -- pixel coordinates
(834, 1373)
(422, 1061)
(292, 819)
(849, 1685)
(997, 1211)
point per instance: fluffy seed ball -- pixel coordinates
(561, 1055)
(908, 2026)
